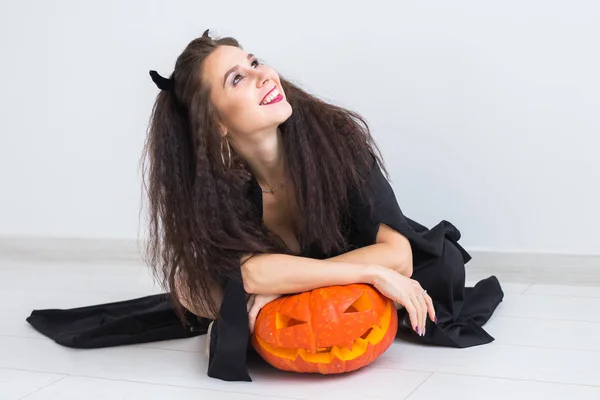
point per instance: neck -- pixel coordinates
(265, 158)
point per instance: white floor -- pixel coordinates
(547, 347)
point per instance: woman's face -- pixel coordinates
(247, 95)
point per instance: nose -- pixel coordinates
(262, 78)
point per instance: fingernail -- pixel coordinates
(416, 330)
(424, 331)
(435, 319)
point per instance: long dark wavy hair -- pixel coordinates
(201, 219)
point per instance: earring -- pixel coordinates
(228, 153)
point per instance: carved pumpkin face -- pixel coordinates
(329, 330)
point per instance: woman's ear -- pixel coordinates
(222, 130)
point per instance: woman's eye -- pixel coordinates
(255, 63)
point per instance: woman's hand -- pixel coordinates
(408, 293)
(255, 303)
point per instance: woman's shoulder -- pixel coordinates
(374, 181)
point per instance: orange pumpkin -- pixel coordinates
(329, 330)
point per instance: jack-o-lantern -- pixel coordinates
(329, 330)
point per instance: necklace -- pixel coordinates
(274, 190)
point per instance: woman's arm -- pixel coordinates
(280, 274)
(275, 274)
(284, 274)
(391, 250)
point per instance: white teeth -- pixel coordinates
(271, 97)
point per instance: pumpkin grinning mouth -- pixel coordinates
(328, 349)
(366, 334)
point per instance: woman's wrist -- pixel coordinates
(373, 273)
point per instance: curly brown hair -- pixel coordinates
(201, 219)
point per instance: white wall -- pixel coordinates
(487, 112)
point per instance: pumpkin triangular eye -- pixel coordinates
(363, 303)
(350, 309)
(283, 321)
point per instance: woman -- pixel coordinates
(258, 189)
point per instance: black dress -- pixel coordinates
(438, 264)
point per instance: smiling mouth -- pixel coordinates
(274, 96)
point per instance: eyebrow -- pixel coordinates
(233, 69)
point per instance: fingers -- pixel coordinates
(254, 305)
(253, 308)
(252, 314)
(412, 313)
(252, 311)
(250, 302)
(409, 293)
(419, 308)
(430, 308)
(422, 313)
(416, 295)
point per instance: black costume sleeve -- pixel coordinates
(438, 265)
(140, 320)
